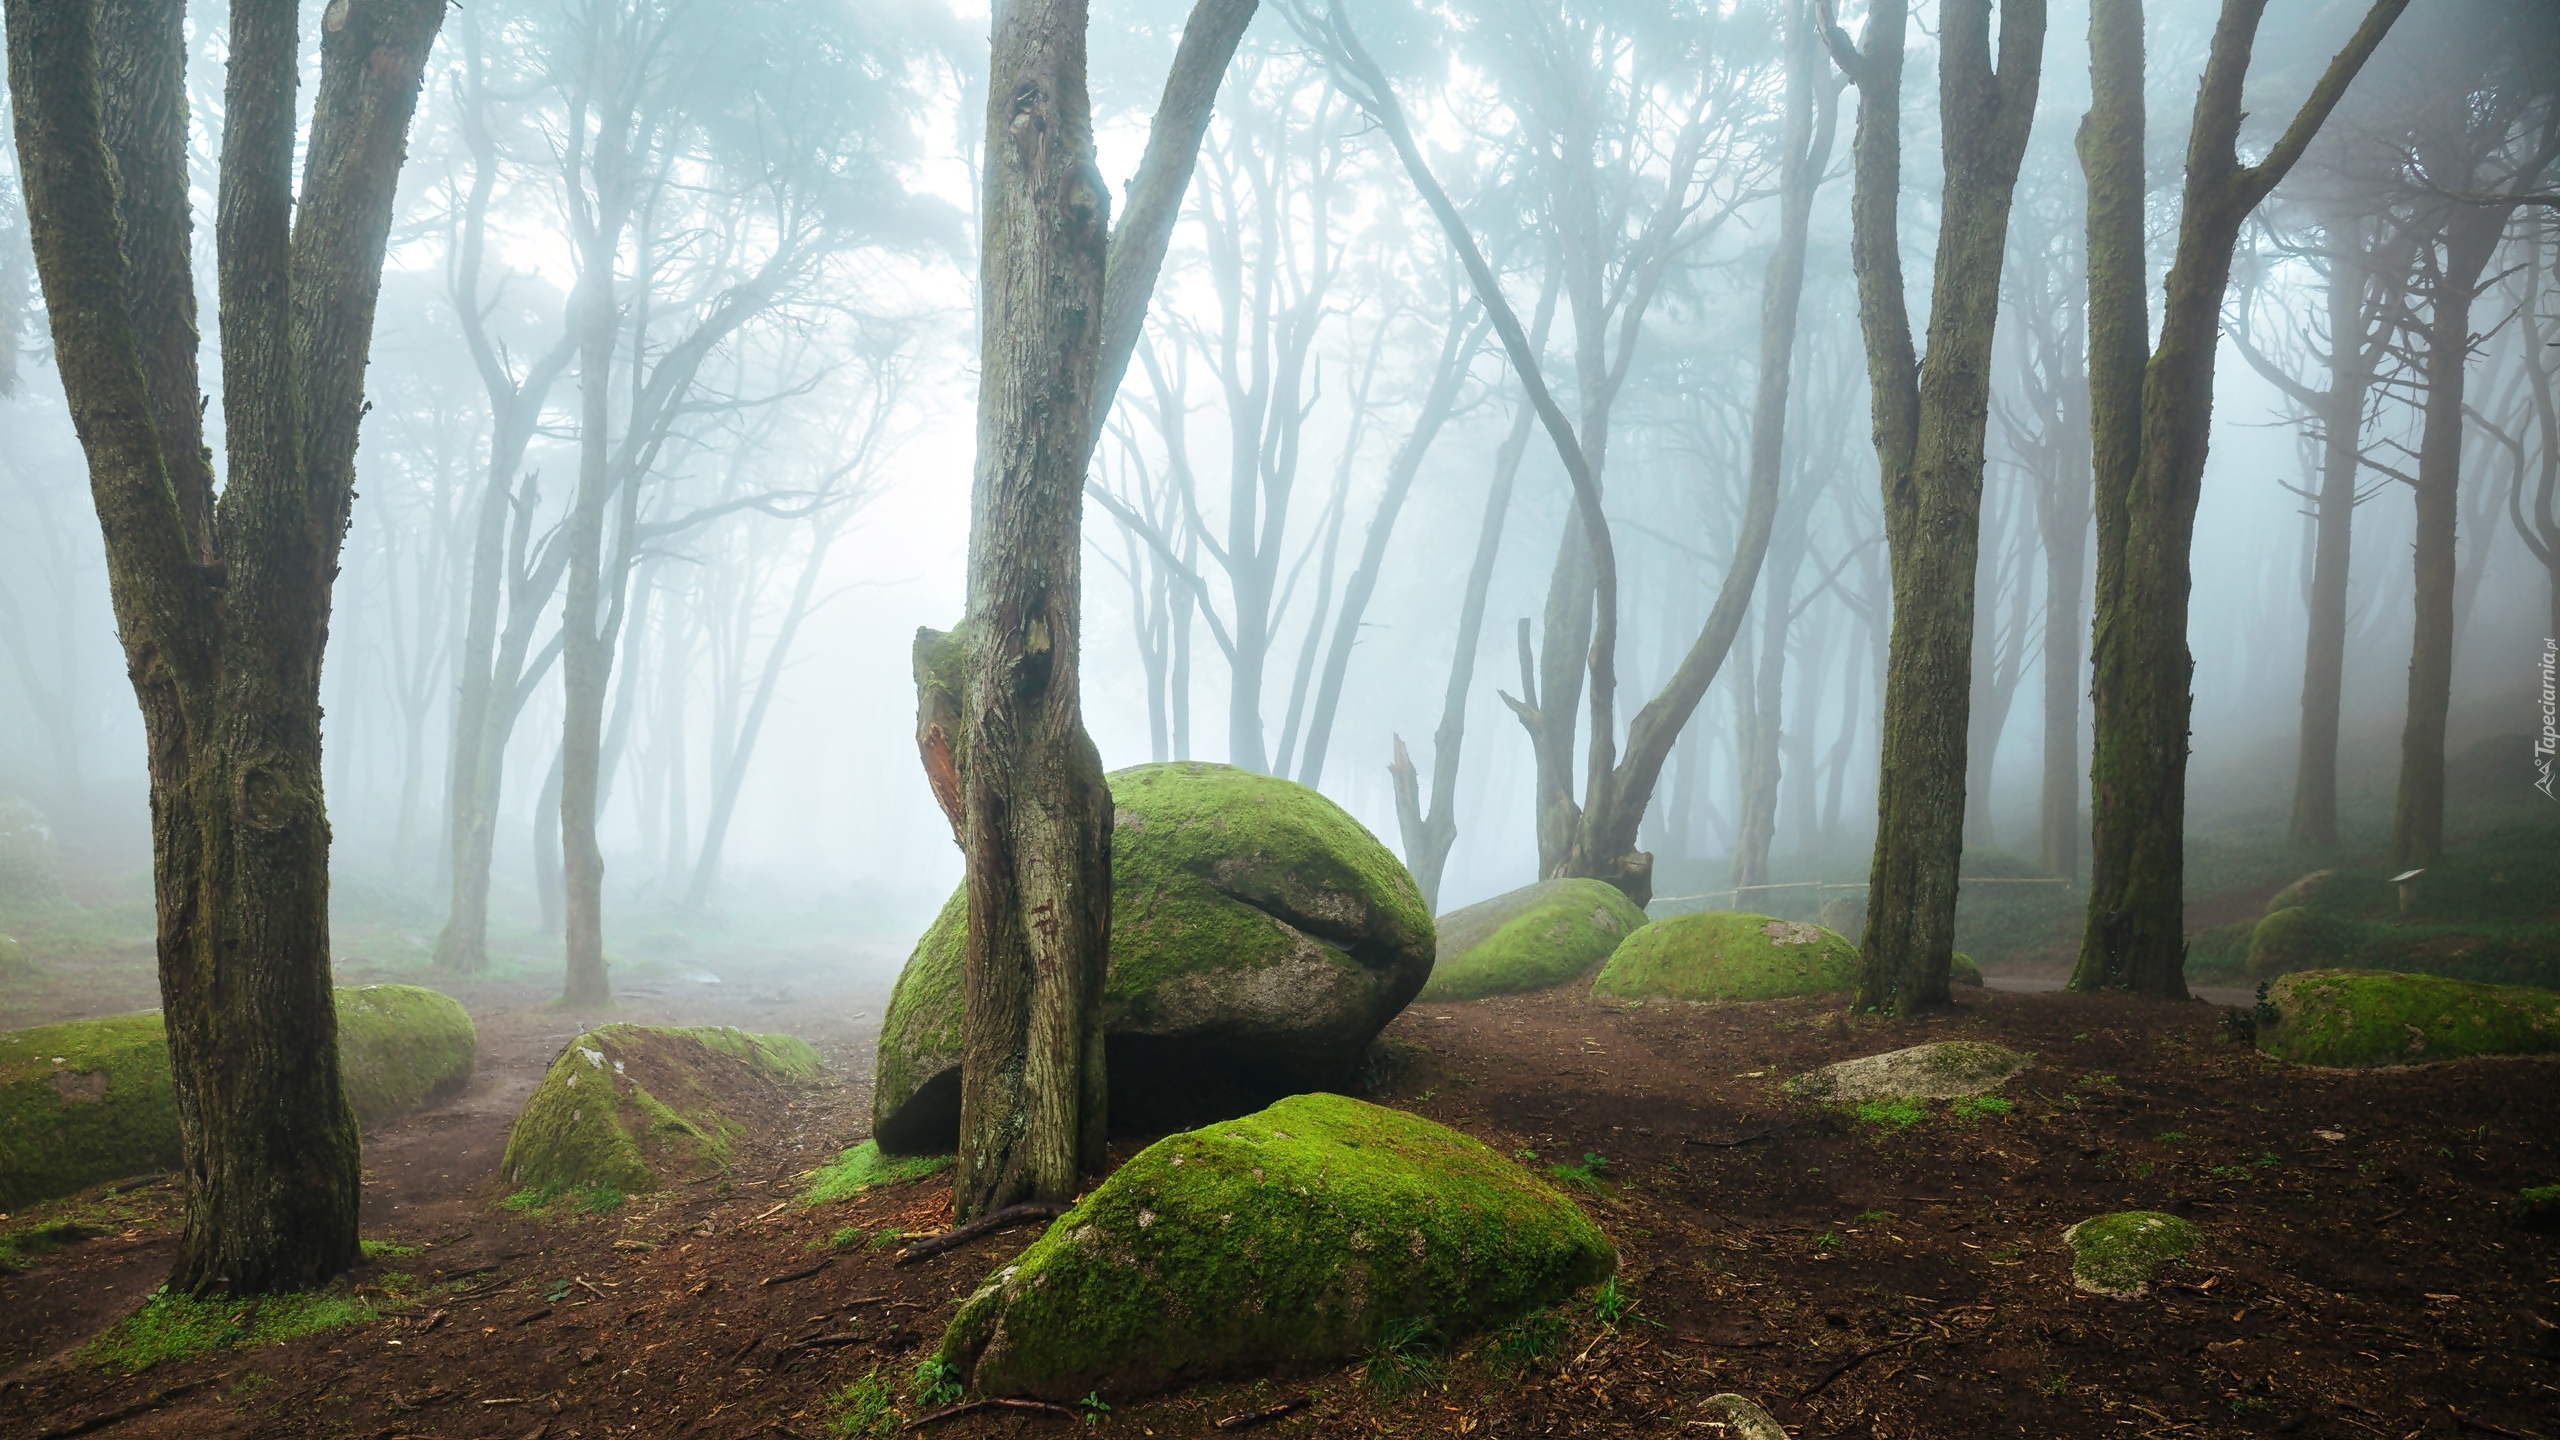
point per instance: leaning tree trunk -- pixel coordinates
(1929, 446)
(222, 603)
(2149, 468)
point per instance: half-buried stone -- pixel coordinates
(92, 1100)
(1728, 955)
(1260, 939)
(628, 1109)
(2117, 1255)
(1944, 1070)
(2382, 1017)
(1535, 937)
(1292, 1237)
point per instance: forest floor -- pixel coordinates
(2362, 1273)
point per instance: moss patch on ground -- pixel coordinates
(1728, 955)
(1535, 937)
(401, 1047)
(2375, 1017)
(629, 1109)
(2117, 1255)
(862, 1166)
(82, 1102)
(177, 1327)
(1253, 922)
(1299, 1235)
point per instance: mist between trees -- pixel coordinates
(1532, 441)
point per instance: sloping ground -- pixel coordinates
(2358, 1268)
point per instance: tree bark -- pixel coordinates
(222, 604)
(2149, 467)
(1929, 446)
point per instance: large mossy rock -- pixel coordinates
(2383, 1017)
(1535, 937)
(92, 1100)
(2300, 938)
(1943, 1070)
(633, 1108)
(1728, 955)
(1260, 939)
(1292, 1237)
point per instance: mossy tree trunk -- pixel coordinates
(222, 602)
(1929, 446)
(1061, 302)
(2151, 421)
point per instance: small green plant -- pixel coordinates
(1894, 1114)
(2246, 1405)
(888, 1239)
(558, 1291)
(2264, 1014)
(1403, 1358)
(1585, 1176)
(2055, 1385)
(937, 1384)
(1526, 1341)
(1609, 1304)
(2267, 1161)
(2171, 1137)
(388, 1250)
(2004, 1254)
(2143, 1170)
(1870, 1217)
(2095, 1081)
(1524, 1154)
(1093, 1407)
(865, 1409)
(1974, 1107)
(1827, 1240)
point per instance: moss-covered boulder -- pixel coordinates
(84, 1102)
(1728, 955)
(92, 1100)
(1961, 970)
(634, 1108)
(2382, 1017)
(1535, 937)
(1260, 939)
(2300, 892)
(2300, 938)
(1291, 1237)
(402, 1047)
(2117, 1255)
(1945, 1070)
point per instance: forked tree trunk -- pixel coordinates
(223, 604)
(2149, 464)
(1929, 446)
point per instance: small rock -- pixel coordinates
(1739, 1419)
(1943, 1070)
(2116, 1255)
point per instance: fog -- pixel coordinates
(794, 419)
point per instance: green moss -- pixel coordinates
(401, 1047)
(1892, 1114)
(2375, 1017)
(865, 1409)
(631, 1108)
(1300, 1234)
(1728, 955)
(388, 1250)
(2538, 1207)
(1248, 913)
(1962, 971)
(2300, 938)
(2117, 1254)
(175, 1327)
(1543, 935)
(862, 1166)
(82, 1102)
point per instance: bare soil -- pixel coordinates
(1857, 1279)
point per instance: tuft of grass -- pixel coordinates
(860, 1167)
(388, 1250)
(1896, 1114)
(1585, 1176)
(2095, 1081)
(1403, 1359)
(553, 1200)
(845, 1238)
(865, 1409)
(1974, 1107)
(1538, 1335)
(176, 1327)
(1611, 1304)
(1870, 1217)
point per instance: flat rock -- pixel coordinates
(1727, 955)
(1737, 1418)
(1942, 1070)
(1260, 940)
(2117, 1255)
(1290, 1238)
(1533, 938)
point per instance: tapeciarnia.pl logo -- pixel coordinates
(2547, 744)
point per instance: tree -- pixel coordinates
(2150, 416)
(1929, 445)
(2537, 519)
(1061, 301)
(222, 599)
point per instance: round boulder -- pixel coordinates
(1535, 937)
(1728, 955)
(1260, 939)
(2300, 938)
(1292, 1237)
(627, 1109)
(2383, 1017)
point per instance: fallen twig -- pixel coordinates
(1745, 1140)
(536, 1315)
(106, 1418)
(985, 1225)
(1726, 1344)
(803, 1273)
(1251, 1418)
(2485, 1428)
(817, 1342)
(1852, 1363)
(972, 1407)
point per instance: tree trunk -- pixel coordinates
(222, 603)
(2417, 817)
(586, 653)
(2324, 657)
(1929, 446)
(2149, 469)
